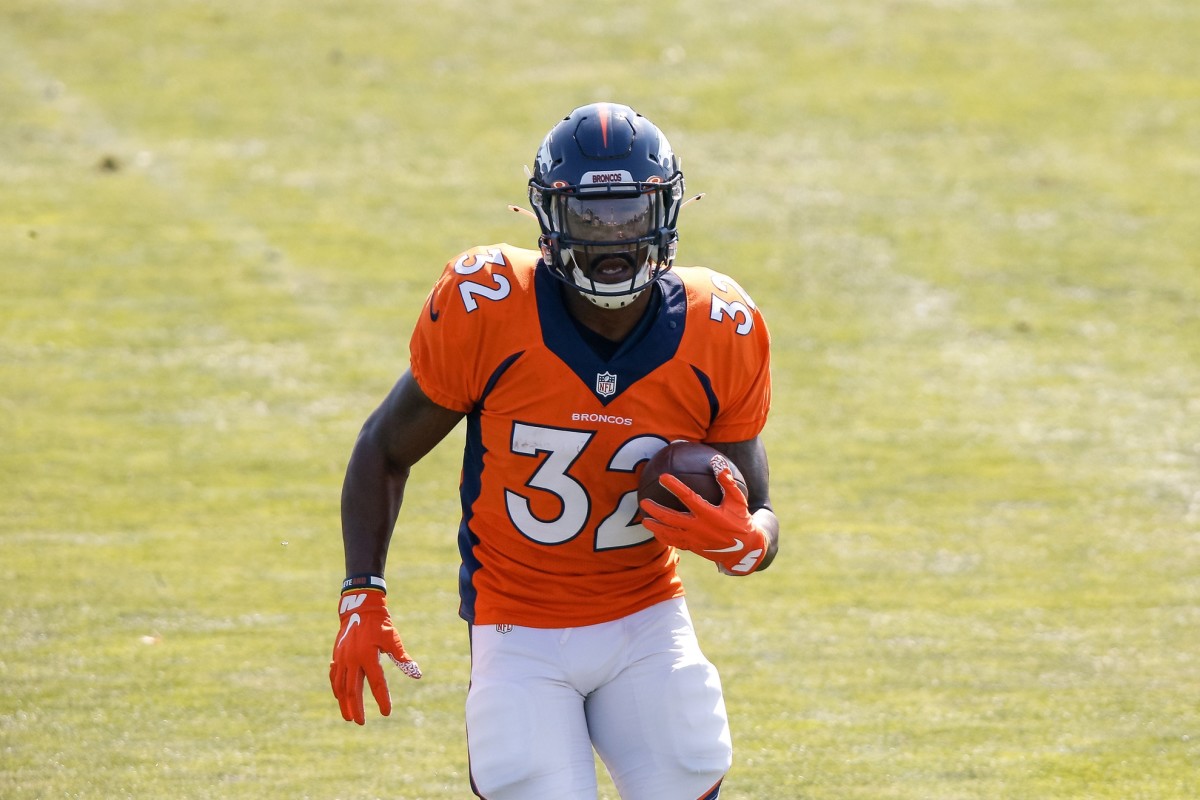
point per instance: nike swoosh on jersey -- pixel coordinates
(733, 548)
(354, 620)
(433, 315)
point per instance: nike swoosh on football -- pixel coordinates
(354, 620)
(737, 545)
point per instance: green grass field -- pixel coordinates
(973, 226)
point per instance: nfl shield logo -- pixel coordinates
(606, 384)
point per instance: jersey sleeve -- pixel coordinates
(448, 351)
(744, 415)
(742, 365)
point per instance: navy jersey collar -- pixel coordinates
(652, 343)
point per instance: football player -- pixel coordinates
(572, 364)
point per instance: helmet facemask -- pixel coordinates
(609, 241)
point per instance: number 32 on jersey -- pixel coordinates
(562, 447)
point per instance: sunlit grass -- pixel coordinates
(971, 226)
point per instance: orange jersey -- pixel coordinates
(556, 434)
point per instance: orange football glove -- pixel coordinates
(365, 632)
(725, 534)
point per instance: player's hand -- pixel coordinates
(366, 632)
(726, 534)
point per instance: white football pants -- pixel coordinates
(638, 689)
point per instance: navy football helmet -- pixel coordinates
(607, 189)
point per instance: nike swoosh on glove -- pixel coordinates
(725, 533)
(366, 631)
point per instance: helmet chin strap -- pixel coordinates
(612, 300)
(616, 299)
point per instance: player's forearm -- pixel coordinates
(371, 497)
(768, 523)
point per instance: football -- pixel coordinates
(691, 462)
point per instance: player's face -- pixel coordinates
(614, 224)
(609, 219)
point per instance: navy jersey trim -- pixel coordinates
(469, 491)
(642, 352)
(714, 405)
